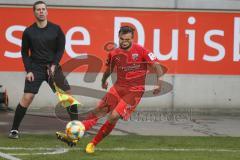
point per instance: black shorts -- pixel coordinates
(41, 75)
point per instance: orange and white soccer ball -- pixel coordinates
(75, 129)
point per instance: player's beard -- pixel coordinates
(126, 47)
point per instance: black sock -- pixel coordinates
(19, 114)
(73, 112)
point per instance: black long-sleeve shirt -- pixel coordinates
(46, 45)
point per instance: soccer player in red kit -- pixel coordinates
(130, 62)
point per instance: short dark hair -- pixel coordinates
(126, 29)
(37, 3)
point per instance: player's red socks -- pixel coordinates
(106, 128)
(90, 122)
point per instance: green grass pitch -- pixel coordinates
(131, 147)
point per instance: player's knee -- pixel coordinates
(100, 112)
(27, 99)
(113, 118)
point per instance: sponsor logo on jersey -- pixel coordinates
(152, 56)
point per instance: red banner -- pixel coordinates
(185, 42)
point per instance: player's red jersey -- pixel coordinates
(131, 66)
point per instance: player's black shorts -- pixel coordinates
(40, 75)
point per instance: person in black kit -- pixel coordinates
(46, 42)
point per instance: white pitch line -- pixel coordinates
(8, 157)
(30, 149)
(57, 151)
(168, 149)
(65, 150)
(50, 151)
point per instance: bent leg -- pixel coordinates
(93, 117)
(107, 127)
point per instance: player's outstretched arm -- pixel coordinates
(159, 72)
(106, 74)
